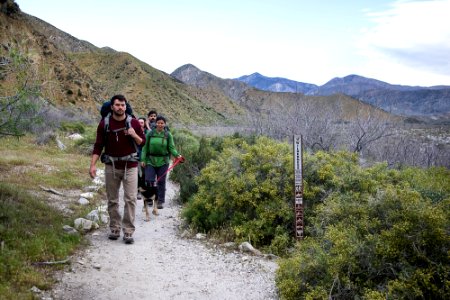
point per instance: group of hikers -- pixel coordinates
(136, 153)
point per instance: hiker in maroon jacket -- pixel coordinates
(119, 134)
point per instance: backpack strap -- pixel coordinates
(128, 126)
(106, 130)
(106, 122)
(165, 137)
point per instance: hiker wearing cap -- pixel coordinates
(119, 135)
(155, 157)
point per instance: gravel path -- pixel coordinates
(163, 265)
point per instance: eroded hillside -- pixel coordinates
(74, 73)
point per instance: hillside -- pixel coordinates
(398, 99)
(191, 75)
(71, 73)
(148, 87)
(338, 107)
(277, 84)
(416, 101)
(75, 74)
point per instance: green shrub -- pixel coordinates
(30, 232)
(248, 188)
(73, 127)
(85, 145)
(198, 152)
(371, 233)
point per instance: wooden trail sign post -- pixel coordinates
(298, 187)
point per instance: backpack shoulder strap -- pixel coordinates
(166, 137)
(128, 121)
(127, 126)
(106, 122)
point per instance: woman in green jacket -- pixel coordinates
(155, 157)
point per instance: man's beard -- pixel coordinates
(119, 112)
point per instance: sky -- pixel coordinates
(399, 42)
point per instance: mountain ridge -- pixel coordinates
(277, 84)
(404, 100)
(77, 74)
(266, 104)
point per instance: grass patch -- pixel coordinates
(30, 227)
(27, 165)
(30, 232)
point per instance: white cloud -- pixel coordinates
(414, 37)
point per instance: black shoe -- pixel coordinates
(114, 235)
(160, 205)
(128, 238)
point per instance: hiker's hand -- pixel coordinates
(93, 171)
(130, 131)
(143, 164)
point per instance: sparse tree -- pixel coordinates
(319, 128)
(18, 105)
(368, 127)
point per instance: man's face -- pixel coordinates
(119, 107)
(152, 118)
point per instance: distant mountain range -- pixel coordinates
(398, 99)
(338, 107)
(75, 73)
(277, 84)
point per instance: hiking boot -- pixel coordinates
(114, 234)
(128, 238)
(160, 205)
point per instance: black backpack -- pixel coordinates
(106, 109)
(105, 112)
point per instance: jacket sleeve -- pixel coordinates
(137, 128)
(145, 148)
(172, 149)
(100, 139)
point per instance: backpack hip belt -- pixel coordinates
(105, 158)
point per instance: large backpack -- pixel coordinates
(106, 109)
(106, 113)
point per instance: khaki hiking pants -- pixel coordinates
(113, 179)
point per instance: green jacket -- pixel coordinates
(155, 152)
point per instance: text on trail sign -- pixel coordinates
(298, 187)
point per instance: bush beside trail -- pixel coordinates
(371, 233)
(246, 192)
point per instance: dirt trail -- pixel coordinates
(162, 265)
